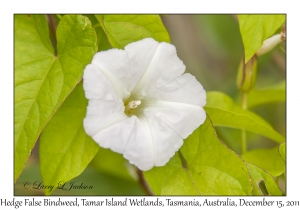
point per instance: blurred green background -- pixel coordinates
(211, 48)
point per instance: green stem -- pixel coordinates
(143, 182)
(244, 136)
(244, 100)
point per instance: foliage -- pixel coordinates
(65, 146)
(207, 171)
(257, 28)
(224, 112)
(124, 29)
(50, 106)
(42, 79)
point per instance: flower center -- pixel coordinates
(132, 105)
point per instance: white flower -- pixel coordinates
(140, 103)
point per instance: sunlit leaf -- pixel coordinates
(102, 40)
(267, 159)
(124, 29)
(282, 151)
(224, 112)
(43, 80)
(65, 148)
(258, 176)
(212, 168)
(273, 94)
(257, 28)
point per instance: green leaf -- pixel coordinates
(65, 148)
(273, 94)
(258, 176)
(282, 149)
(212, 168)
(124, 29)
(109, 162)
(267, 159)
(102, 41)
(43, 80)
(257, 28)
(224, 112)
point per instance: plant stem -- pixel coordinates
(244, 136)
(244, 100)
(143, 182)
(53, 26)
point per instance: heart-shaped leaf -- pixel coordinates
(42, 79)
(209, 168)
(65, 148)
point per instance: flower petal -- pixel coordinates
(181, 118)
(184, 89)
(97, 86)
(159, 64)
(117, 135)
(165, 141)
(129, 137)
(102, 114)
(115, 65)
(140, 54)
(140, 149)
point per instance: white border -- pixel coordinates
(8, 8)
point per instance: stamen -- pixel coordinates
(132, 105)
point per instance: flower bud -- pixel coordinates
(269, 44)
(247, 74)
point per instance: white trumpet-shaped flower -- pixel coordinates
(140, 103)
